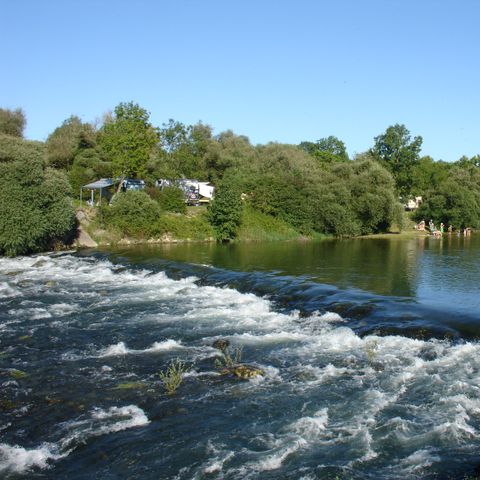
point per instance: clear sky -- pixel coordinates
(273, 70)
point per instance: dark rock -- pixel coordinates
(244, 372)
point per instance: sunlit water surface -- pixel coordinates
(370, 351)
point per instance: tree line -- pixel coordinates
(314, 186)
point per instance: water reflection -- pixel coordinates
(433, 271)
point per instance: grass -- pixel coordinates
(193, 226)
(259, 227)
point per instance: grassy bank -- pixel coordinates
(193, 226)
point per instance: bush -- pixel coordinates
(185, 227)
(225, 212)
(170, 199)
(36, 208)
(257, 226)
(132, 213)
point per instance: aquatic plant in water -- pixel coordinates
(229, 360)
(231, 363)
(172, 376)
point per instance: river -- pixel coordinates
(370, 352)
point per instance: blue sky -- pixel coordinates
(273, 70)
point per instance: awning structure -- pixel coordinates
(97, 185)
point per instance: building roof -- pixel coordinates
(99, 184)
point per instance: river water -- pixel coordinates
(370, 350)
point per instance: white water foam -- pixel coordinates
(418, 395)
(16, 459)
(121, 349)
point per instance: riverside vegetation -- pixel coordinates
(263, 192)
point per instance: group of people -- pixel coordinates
(440, 231)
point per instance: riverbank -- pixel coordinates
(192, 227)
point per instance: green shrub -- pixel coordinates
(225, 212)
(185, 227)
(36, 208)
(132, 213)
(170, 199)
(257, 226)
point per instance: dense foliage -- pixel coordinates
(170, 199)
(225, 212)
(36, 207)
(455, 200)
(128, 139)
(132, 213)
(306, 189)
(395, 150)
(12, 122)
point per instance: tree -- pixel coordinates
(12, 122)
(128, 140)
(67, 139)
(455, 200)
(36, 208)
(225, 212)
(185, 148)
(428, 174)
(398, 154)
(326, 150)
(228, 151)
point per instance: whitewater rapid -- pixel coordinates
(329, 402)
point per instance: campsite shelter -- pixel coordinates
(101, 186)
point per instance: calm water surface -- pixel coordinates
(370, 350)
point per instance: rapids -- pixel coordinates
(356, 384)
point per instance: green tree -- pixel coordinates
(326, 150)
(128, 140)
(67, 140)
(398, 153)
(228, 151)
(455, 200)
(12, 122)
(225, 212)
(183, 150)
(36, 208)
(87, 167)
(428, 174)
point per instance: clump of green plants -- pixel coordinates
(172, 376)
(229, 359)
(17, 374)
(132, 213)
